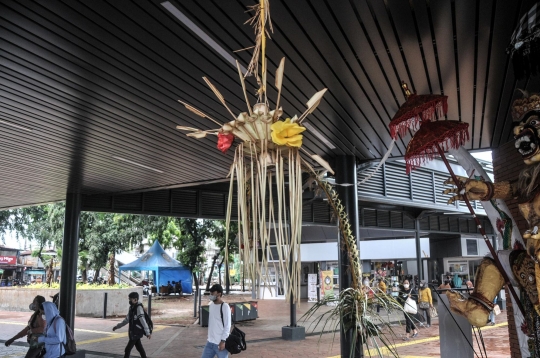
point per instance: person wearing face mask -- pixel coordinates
(426, 302)
(137, 326)
(219, 325)
(54, 335)
(408, 292)
(33, 330)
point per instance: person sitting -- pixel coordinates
(178, 288)
(445, 286)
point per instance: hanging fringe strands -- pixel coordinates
(417, 109)
(423, 147)
(267, 167)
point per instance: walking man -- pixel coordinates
(137, 325)
(219, 325)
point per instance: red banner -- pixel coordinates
(8, 260)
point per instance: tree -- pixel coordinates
(232, 246)
(193, 233)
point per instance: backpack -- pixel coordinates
(70, 347)
(236, 342)
(149, 322)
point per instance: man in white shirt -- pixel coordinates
(219, 325)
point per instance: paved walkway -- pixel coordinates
(263, 336)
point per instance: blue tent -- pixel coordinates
(165, 268)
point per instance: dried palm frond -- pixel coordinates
(189, 107)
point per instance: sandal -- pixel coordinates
(405, 338)
(415, 335)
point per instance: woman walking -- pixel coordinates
(408, 292)
(426, 302)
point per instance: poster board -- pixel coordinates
(327, 283)
(312, 287)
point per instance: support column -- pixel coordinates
(70, 254)
(347, 189)
(418, 250)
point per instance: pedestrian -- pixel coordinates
(425, 302)
(491, 321)
(54, 334)
(408, 292)
(35, 327)
(382, 291)
(219, 325)
(137, 326)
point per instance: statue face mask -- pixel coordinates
(527, 135)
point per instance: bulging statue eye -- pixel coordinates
(534, 122)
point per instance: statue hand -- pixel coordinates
(472, 188)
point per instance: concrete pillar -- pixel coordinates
(70, 254)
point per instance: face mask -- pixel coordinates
(212, 298)
(32, 306)
(366, 283)
(44, 317)
(406, 285)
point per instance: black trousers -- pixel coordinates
(425, 313)
(409, 324)
(138, 345)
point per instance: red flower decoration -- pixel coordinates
(224, 141)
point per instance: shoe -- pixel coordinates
(415, 335)
(428, 326)
(405, 338)
(491, 323)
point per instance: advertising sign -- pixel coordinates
(8, 260)
(327, 283)
(312, 287)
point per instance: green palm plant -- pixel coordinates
(355, 307)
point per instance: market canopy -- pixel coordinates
(165, 267)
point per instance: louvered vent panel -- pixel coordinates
(383, 218)
(424, 224)
(444, 223)
(396, 219)
(397, 183)
(96, 202)
(479, 206)
(487, 227)
(307, 212)
(184, 201)
(157, 201)
(440, 187)
(454, 223)
(212, 204)
(408, 222)
(434, 223)
(422, 183)
(128, 202)
(473, 228)
(374, 186)
(370, 217)
(463, 225)
(321, 212)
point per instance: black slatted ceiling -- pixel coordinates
(95, 80)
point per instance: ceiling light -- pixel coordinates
(15, 125)
(319, 135)
(199, 32)
(140, 165)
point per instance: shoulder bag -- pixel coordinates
(236, 342)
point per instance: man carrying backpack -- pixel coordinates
(137, 325)
(219, 325)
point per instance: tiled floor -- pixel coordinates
(263, 336)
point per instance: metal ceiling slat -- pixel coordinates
(106, 134)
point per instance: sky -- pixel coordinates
(11, 241)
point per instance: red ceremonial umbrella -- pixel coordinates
(434, 138)
(417, 109)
